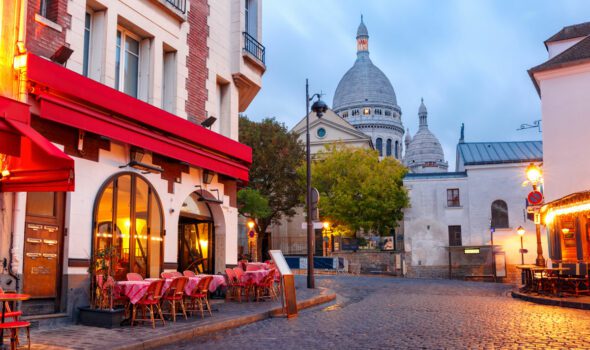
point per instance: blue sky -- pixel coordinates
(468, 59)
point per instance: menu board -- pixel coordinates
(279, 259)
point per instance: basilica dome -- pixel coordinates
(424, 153)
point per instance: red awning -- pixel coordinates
(34, 163)
(80, 102)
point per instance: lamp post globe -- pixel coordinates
(319, 107)
(533, 174)
(520, 230)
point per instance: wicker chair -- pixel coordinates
(199, 296)
(175, 295)
(151, 298)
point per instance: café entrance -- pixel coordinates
(196, 243)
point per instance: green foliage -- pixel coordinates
(252, 204)
(277, 154)
(359, 191)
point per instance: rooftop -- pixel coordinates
(439, 175)
(480, 153)
(570, 32)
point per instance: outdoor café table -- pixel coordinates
(6, 297)
(254, 277)
(262, 265)
(135, 290)
(528, 281)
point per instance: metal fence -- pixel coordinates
(180, 5)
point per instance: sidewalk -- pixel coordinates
(580, 302)
(230, 315)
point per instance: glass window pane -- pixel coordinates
(86, 44)
(156, 238)
(141, 228)
(131, 74)
(123, 225)
(104, 222)
(41, 203)
(118, 60)
(132, 45)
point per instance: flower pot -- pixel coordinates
(101, 318)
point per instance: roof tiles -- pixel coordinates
(479, 153)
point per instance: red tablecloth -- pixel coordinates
(258, 266)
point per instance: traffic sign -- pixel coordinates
(535, 197)
(533, 209)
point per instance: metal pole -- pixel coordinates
(540, 259)
(521, 252)
(310, 233)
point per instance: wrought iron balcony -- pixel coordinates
(253, 47)
(180, 5)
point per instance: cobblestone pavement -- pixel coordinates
(388, 313)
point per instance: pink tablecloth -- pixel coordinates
(254, 276)
(135, 290)
(257, 266)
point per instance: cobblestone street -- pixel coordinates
(381, 313)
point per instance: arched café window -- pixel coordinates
(128, 217)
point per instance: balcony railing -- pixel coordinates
(180, 5)
(253, 47)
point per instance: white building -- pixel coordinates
(457, 210)
(106, 146)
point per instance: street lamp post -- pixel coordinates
(534, 175)
(520, 230)
(319, 107)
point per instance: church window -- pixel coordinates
(455, 235)
(378, 111)
(453, 197)
(321, 133)
(366, 111)
(499, 214)
(396, 149)
(387, 112)
(379, 145)
(344, 114)
(388, 148)
(355, 112)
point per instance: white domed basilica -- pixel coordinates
(366, 99)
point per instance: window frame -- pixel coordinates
(120, 74)
(499, 222)
(379, 146)
(134, 178)
(453, 238)
(453, 200)
(87, 50)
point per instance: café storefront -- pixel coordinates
(154, 187)
(567, 221)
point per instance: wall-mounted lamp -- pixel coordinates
(208, 122)
(207, 176)
(62, 55)
(136, 155)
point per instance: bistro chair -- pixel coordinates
(245, 286)
(9, 313)
(234, 286)
(132, 276)
(14, 327)
(175, 274)
(166, 275)
(199, 295)
(148, 301)
(174, 295)
(189, 273)
(266, 288)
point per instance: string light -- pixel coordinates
(552, 213)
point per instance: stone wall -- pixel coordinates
(373, 261)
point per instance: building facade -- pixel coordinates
(134, 106)
(454, 216)
(563, 84)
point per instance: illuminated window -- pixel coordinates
(128, 219)
(366, 111)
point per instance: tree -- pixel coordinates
(277, 154)
(358, 190)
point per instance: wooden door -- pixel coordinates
(43, 244)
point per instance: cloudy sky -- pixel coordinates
(468, 59)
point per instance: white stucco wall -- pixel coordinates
(557, 47)
(426, 221)
(565, 106)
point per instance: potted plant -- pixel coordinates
(102, 311)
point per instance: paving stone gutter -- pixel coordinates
(571, 302)
(142, 337)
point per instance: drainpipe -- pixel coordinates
(11, 267)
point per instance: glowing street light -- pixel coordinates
(534, 176)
